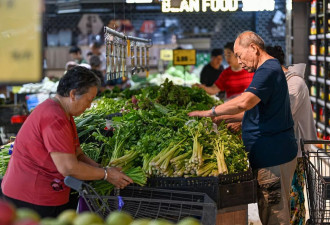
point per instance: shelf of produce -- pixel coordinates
(320, 101)
(312, 37)
(312, 78)
(320, 125)
(312, 57)
(313, 99)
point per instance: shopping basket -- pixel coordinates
(317, 171)
(152, 203)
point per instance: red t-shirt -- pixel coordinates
(233, 83)
(32, 175)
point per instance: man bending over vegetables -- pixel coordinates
(47, 149)
(267, 127)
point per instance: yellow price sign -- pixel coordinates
(16, 89)
(184, 57)
(20, 41)
(166, 54)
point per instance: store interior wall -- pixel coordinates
(219, 28)
(300, 30)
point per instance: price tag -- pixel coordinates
(20, 41)
(184, 57)
(166, 54)
(16, 89)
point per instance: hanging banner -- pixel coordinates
(20, 41)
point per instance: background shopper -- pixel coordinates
(213, 69)
(233, 80)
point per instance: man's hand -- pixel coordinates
(217, 120)
(234, 127)
(207, 113)
(118, 178)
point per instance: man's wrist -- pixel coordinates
(213, 111)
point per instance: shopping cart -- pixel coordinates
(152, 203)
(317, 171)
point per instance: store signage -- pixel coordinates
(20, 41)
(258, 5)
(175, 6)
(166, 54)
(184, 57)
(200, 5)
(138, 1)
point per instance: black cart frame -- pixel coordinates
(317, 176)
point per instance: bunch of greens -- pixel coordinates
(5, 153)
(155, 136)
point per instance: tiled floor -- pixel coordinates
(253, 215)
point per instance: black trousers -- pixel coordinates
(45, 211)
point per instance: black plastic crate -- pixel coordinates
(225, 190)
(237, 194)
(142, 202)
(7, 111)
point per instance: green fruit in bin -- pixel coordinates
(160, 222)
(189, 221)
(87, 218)
(119, 218)
(67, 216)
(26, 222)
(53, 221)
(48, 221)
(25, 213)
(141, 222)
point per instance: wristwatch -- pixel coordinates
(213, 111)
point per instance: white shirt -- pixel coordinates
(300, 104)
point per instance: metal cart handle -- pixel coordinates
(73, 183)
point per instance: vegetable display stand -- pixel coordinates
(226, 190)
(236, 215)
(151, 203)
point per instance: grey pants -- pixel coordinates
(274, 193)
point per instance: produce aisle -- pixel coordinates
(158, 145)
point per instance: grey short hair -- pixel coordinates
(248, 37)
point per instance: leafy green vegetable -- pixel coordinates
(156, 137)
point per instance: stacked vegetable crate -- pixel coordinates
(225, 190)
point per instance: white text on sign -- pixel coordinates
(217, 5)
